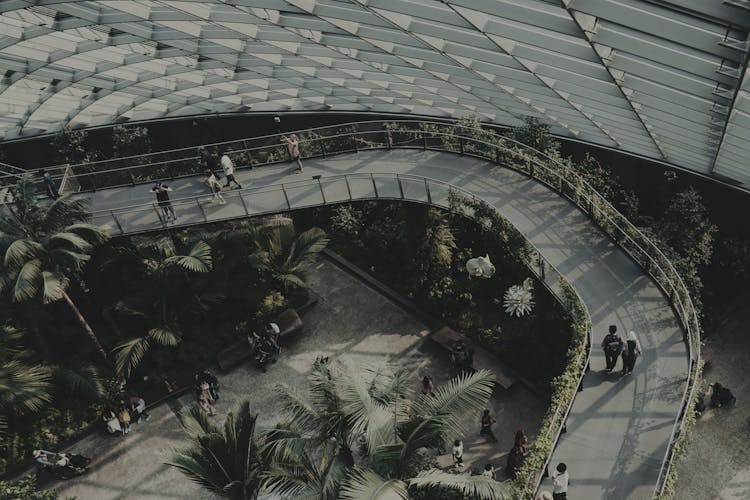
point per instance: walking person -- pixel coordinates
(205, 400)
(560, 481)
(631, 352)
(49, 185)
(227, 165)
(521, 441)
(458, 453)
(213, 183)
(428, 387)
(138, 409)
(612, 345)
(486, 429)
(489, 471)
(162, 199)
(123, 415)
(515, 460)
(292, 145)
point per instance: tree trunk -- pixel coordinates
(85, 325)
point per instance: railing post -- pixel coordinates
(203, 211)
(427, 190)
(354, 138)
(497, 154)
(132, 178)
(286, 197)
(374, 186)
(388, 139)
(424, 141)
(461, 144)
(117, 222)
(400, 187)
(323, 146)
(348, 187)
(322, 194)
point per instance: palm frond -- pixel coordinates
(81, 380)
(198, 259)
(164, 336)
(68, 258)
(309, 243)
(196, 423)
(20, 251)
(92, 233)
(53, 287)
(71, 239)
(465, 395)
(129, 354)
(480, 487)
(367, 485)
(28, 281)
(62, 211)
(24, 387)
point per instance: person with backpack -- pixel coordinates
(458, 453)
(612, 345)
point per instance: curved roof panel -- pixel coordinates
(666, 79)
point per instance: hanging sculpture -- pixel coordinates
(480, 267)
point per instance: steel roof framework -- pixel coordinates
(665, 79)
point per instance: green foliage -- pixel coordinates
(536, 134)
(686, 228)
(283, 255)
(130, 140)
(71, 147)
(25, 489)
(272, 304)
(226, 461)
(564, 388)
(313, 448)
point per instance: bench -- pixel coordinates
(289, 324)
(482, 360)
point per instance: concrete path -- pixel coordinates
(619, 429)
(133, 467)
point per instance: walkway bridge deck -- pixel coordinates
(619, 428)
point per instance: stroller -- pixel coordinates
(62, 465)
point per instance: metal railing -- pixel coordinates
(443, 137)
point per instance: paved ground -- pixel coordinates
(351, 320)
(717, 465)
(618, 430)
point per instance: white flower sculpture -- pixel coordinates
(519, 299)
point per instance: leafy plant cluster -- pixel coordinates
(422, 252)
(354, 433)
(89, 319)
(564, 388)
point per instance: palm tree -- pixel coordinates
(228, 462)
(157, 310)
(23, 387)
(44, 247)
(314, 452)
(283, 254)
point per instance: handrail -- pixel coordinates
(542, 167)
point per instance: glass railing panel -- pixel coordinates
(414, 189)
(304, 194)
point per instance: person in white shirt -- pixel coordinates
(560, 481)
(213, 183)
(489, 471)
(458, 453)
(228, 166)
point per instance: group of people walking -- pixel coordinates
(213, 165)
(118, 419)
(615, 347)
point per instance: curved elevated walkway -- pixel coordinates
(619, 428)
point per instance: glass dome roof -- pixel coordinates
(666, 79)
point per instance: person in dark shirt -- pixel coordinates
(162, 199)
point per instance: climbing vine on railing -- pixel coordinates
(564, 389)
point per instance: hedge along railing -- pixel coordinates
(501, 150)
(566, 385)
